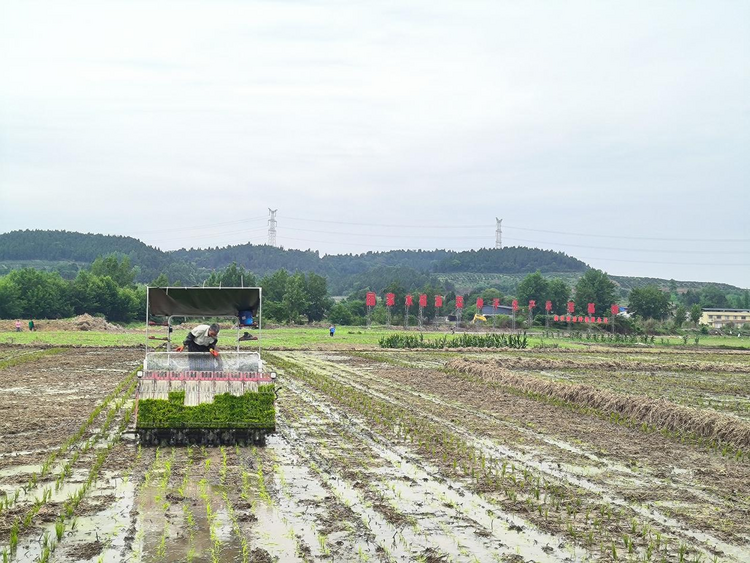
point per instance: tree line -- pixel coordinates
(109, 287)
(70, 252)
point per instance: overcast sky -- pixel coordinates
(618, 132)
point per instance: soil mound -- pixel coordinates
(86, 322)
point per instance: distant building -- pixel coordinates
(489, 310)
(718, 318)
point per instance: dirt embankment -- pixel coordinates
(83, 322)
(531, 363)
(657, 412)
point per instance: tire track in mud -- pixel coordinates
(436, 516)
(679, 528)
(386, 393)
(616, 470)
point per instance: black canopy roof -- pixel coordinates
(202, 301)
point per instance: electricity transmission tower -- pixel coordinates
(498, 233)
(272, 227)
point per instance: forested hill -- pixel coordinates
(192, 266)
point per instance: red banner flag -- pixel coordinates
(532, 303)
(423, 300)
(438, 301)
(586, 319)
(580, 319)
(515, 304)
(568, 318)
(495, 303)
(390, 299)
(480, 304)
(370, 299)
(557, 317)
(591, 308)
(571, 307)
(409, 300)
(548, 306)
(598, 319)
(574, 319)
(605, 320)
(615, 309)
(459, 301)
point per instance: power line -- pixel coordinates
(201, 226)
(387, 225)
(673, 239)
(388, 246)
(633, 249)
(476, 237)
(490, 227)
(660, 262)
(214, 235)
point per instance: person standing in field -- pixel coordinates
(31, 326)
(18, 326)
(332, 330)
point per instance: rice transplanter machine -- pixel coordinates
(196, 397)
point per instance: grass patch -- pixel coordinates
(33, 356)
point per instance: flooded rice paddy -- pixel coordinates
(380, 456)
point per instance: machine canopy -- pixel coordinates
(202, 301)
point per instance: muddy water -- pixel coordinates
(328, 487)
(584, 476)
(436, 514)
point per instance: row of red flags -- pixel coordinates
(390, 300)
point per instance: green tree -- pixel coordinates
(680, 315)
(559, 293)
(713, 298)
(295, 300)
(318, 301)
(339, 314)
(274, 286)
(43, 295)
(231, 276)
(649, 302)
(695, 314)
(533, 286)
(11, 303)
(121, 271)
(86, 294)
(595, 287)
(162, 280)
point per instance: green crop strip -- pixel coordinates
(65, 471)
(251, 410)
(71, 504)
(25, 358)
(518, 341)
